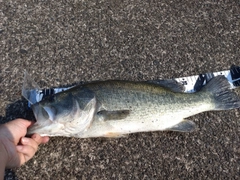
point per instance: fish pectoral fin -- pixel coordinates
(184, 126)
(113, 115)
(171, 84)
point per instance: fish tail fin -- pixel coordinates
(223, 96)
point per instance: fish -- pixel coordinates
(115, 108)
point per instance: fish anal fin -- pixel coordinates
(171, 84)
(183, 126)
(113, 115)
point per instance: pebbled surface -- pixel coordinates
(65, 42)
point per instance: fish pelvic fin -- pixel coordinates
(224, 98)
(183, 126)
(114, 135)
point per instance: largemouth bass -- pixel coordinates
(114, 108)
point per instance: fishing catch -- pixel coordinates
(114, 108)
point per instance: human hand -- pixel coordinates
(15, 149)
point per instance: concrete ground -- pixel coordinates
(65, 42)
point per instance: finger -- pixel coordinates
(29, 142)
(39, 139)
(26, 152)
(45, 139)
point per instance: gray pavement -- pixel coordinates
(65, 42)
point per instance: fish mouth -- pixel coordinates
(40, 128)
(32, 129)
(40, 122)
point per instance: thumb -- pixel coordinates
(23, 123)
(18, 127)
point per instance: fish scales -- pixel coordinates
(152, 107)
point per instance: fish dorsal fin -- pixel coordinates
(184, 126)
(171, 84)
(113, 115)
